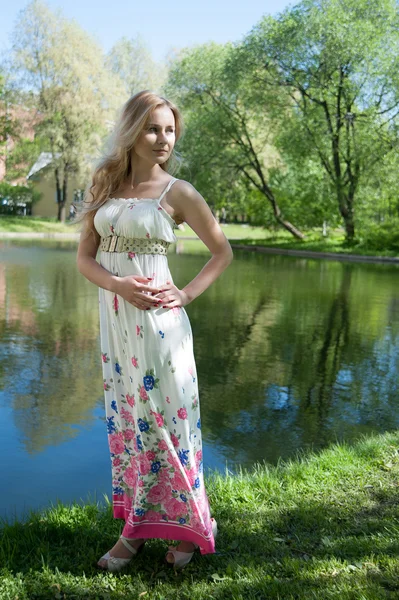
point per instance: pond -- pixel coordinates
(292, 354)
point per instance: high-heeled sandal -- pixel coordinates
(116, 564)
(183, 558)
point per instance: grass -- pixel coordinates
(316, 242)
(242, 234)
(320, 526)
(14, 224)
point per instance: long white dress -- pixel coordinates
(151, 390)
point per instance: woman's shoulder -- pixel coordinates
(184, 188)
(185, 199)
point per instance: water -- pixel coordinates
(292, 354)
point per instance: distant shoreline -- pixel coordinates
(318, 254)
(253, 248)
(36, 235)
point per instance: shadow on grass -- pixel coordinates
(315, 546)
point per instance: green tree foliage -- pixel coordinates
(7, 126)
(25, 152)
(229, 138)
(64, 68)
(131, 61)
(14, 198)
(337, 62)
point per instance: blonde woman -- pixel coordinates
(150, 381)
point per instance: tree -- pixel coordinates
(9, 126)
(338, 64)
(132, 62)
(64, 69)
(5, 123)
(229, 136)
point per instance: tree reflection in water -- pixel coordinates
(291, 353)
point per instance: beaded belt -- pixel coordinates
(119, 243)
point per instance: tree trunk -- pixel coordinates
(277, 213)
(291, 228)
(266, 190)
(61, 212)
(346, 209)
(61, 194)
(61, 206)
(58, 192)
(350, 228)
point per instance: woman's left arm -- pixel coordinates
(191, 207)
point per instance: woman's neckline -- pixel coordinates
(164, 191)
(152, 199)
(130, 198)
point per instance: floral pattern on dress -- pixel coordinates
(151, 392)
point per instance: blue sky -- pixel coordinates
(163, 25)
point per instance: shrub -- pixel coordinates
(17, 199)
(382, 236)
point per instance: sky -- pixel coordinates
(162, 25)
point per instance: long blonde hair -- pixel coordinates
(114, 167)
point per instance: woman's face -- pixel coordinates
(158, 134)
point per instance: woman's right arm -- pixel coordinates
(88, 265)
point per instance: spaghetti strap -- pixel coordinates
(166, 190)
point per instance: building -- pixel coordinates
(42, 178)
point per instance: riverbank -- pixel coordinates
(321, 526)
(40, 227)
(242, 237)
(335, 244)
(314, 254)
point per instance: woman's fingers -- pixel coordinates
(147, 297)
(148, 288)
(163, 291)
(168, 302)
(166, 287)
(147, 300)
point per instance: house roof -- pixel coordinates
(45, 158)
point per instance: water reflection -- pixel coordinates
(291, 354)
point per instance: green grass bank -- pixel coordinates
(335, 243)
(12, 224)
(320, 526)
(246, 235)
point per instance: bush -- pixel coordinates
(381, 236)
(17, 199)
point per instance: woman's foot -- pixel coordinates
(181, 555)
(182, 547)
(121, 554)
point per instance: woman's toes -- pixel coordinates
(169, 557)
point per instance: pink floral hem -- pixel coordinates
(161, 530)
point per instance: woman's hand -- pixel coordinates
(136, 290)
(171, 296)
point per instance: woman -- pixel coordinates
(150, 379)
